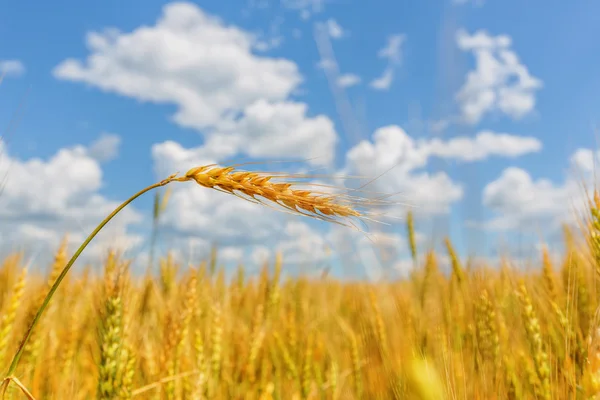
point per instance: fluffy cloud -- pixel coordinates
(312, 139)
(396, 154)
(499, 82)
(403, 160)
(392, 52)
(585, 160)
(282, 130)
(42, 200)
(170, 157)
(11, 68)
(209, 72)
(519, 201)
(484, 145)
(188, 58)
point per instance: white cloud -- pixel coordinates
(484, 145)
(106, 147)
(283, 130)
(231, 254)
(404, 160)
(170, 157)
(585, 160)
(499, 81)
(41, 200)
(259, 134)
(219, 86)
(348, 80)
(519, 201)
(392, 148)
(188, 58)
(384, 81)
(327, 64)
(392, 52)
(523, 202)
(481, 40)
(334, 29)
(11, 68)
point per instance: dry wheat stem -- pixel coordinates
(14, 379)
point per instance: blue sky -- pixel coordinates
(489, 166)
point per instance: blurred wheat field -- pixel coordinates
(478, 332)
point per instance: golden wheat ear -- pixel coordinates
(262, 188)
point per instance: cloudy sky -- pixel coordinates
(482, 114)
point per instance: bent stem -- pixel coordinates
(14, 379)
(19, 353)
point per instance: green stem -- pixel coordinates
(19, 353)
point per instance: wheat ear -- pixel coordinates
(254, 186)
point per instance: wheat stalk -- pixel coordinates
(320, 205)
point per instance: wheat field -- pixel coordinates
(478, 332)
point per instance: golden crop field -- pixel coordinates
(479, 332)
(300, 200)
